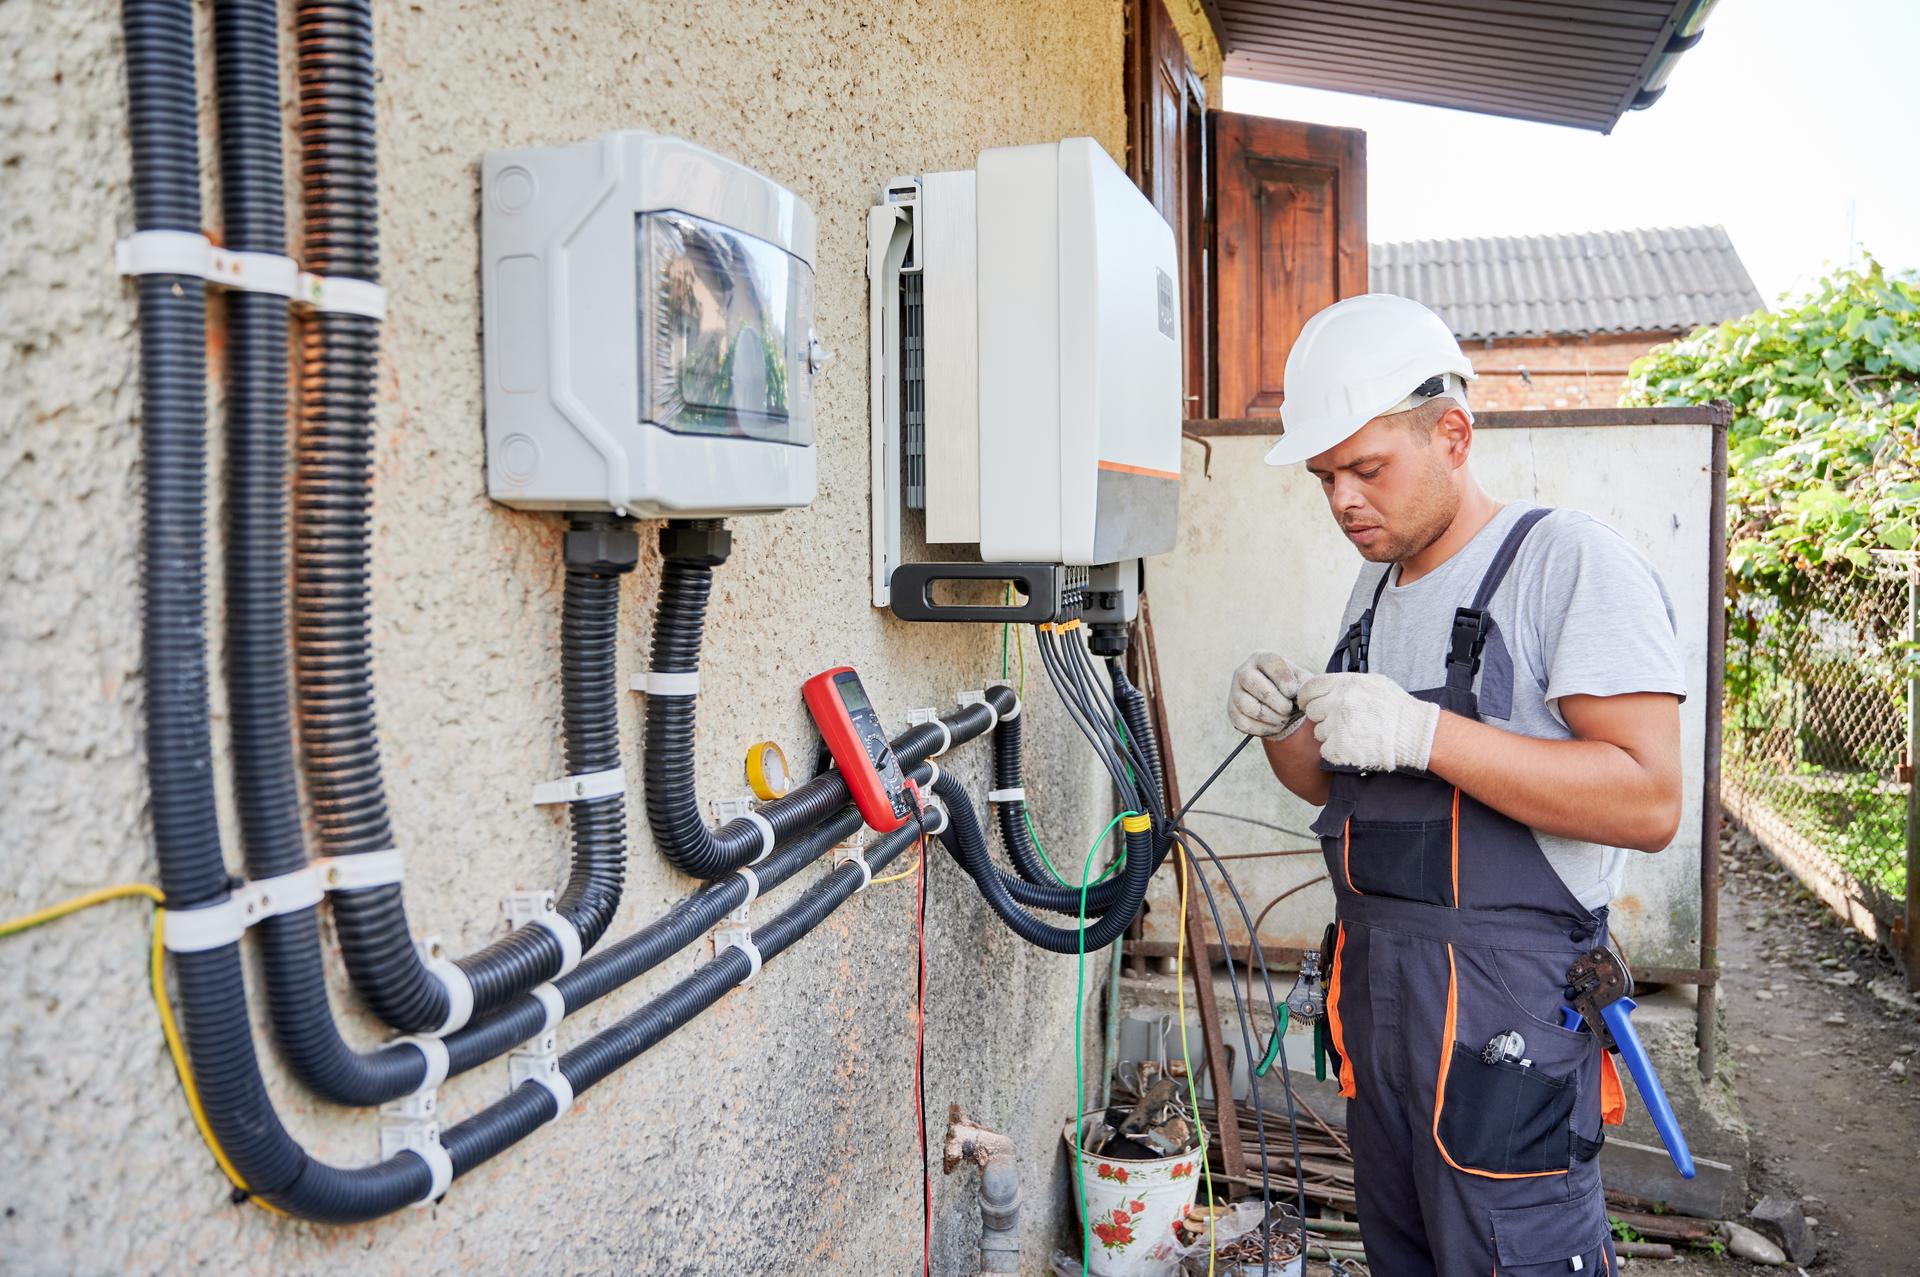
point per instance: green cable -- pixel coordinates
(1079, 1050)
(1273, 1047)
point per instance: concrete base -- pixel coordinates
(1635, 1161)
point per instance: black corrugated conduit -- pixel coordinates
(967, 842)
(339, 729)
(689, 551)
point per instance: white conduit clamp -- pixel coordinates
(581, 788)
(738, 936)
(355, 871)
(438, 1062)
(1017, 794)
(549, 997)
(1013, 713)
(337, 294)
(765, 827)
(556, 1084)
(193, 254)
(659, 683)
(934, 777)
(753, 889)
(439, 1162)
(459, 993)
(919, 716)
(222, 924)
(566, 934)
(980, 698)
(857, 856)
(938, 808)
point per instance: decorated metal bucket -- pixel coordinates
(1131, 1206)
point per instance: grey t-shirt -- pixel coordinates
(1580, 613)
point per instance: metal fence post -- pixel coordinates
(1913, 782)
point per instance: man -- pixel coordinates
(1496, 734)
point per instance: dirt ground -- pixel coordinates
(1825, 1050)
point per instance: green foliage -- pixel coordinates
(1623, 1231)
(1823, 467)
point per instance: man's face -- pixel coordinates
(1390, 487)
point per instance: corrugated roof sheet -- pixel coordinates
(1598, 282)
(1581, 63)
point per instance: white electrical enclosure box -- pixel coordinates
(1080, 360)
(648, 318)
(1027, 361)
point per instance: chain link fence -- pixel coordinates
(1817, 725)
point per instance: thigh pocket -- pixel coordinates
(1405, 859)
(1555, 1238)
(1504, 1118)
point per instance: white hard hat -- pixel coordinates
(1362, 358)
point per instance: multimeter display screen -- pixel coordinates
(853, 695)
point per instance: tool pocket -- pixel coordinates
(1504, 1119)
(1405, 859)
(1557, 1238)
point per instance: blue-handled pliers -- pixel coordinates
(1600, 992)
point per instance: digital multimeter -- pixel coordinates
(858, 743)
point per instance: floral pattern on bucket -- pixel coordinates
(1117, 1173)
(1116, 1231)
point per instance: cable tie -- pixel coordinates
(753, 886)
(1015, 711)
(356, 870)
(213, 927)
(438, 1061)
(567, 934)
(339, 295)
(555, 1083)
(459, 992)
(439, 1162)
(1017, 794)
(765, 827)
(661, 683)
(548, 996)
(581, 788)
(980, 698)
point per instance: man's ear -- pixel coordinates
(1455, 433)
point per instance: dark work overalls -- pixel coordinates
(1452, 930)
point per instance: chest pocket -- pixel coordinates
(1496, 676)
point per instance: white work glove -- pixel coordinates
(1369, 722)
(1261, 700)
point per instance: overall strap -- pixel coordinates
(1470, 624)
(1359, 636)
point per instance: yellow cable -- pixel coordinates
(120, 891)
(1186, 1058)
(157, 970)
(904, 874)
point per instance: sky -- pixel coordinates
(1791, 123)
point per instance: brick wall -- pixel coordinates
(1561, 372)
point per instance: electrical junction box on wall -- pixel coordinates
(1026, 363)
(648, 316)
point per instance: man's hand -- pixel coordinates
(1369, 722)
(1261, 701)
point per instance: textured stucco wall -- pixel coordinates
(776, 1132)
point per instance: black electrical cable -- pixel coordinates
(1081, 718)
(1249, 820)
(1259, 955)
(1253, 1081)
